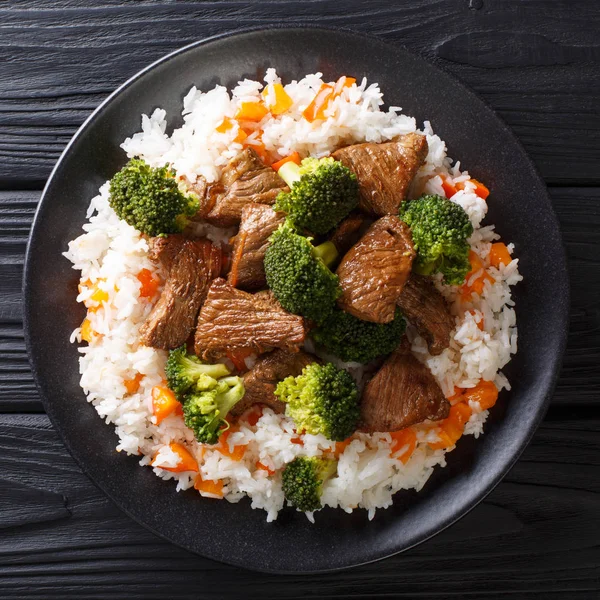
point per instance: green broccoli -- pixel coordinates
(204, 412)
(185, 372)
(323, 192)
(440, 229)
(150, 199)
(298, 273)
(303, 480)
(321, 400)
(355, 340)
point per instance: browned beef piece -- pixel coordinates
(402, 393)
(385, 171)
(163, 250)
(173, 317)
(231, 319)
(426, 309)
(245, 179)
(374, 271)
(258, 223)
(349, 231)
(269, 370)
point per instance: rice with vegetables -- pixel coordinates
(342, 423)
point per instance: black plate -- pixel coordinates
(519, 206)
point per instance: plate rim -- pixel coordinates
(563, 279)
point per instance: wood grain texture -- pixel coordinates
(578, 210)
(543, 517)
(535, 62)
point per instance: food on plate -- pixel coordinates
(323, 191)
(291, 297)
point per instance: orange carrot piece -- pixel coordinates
(253, 415)
(251, 111)
(238, 451)
(133, 385)
(405, 438)
(499, 254)
(477, 285)
(208, 487)
(225, 126)
(457, 396)
(149, 283)
(99, 296)
(297, 440)
(316, 109)
(87, 333)
(164, 403)
(485, 392)
(451, 428)
(480, 324)
(340, 447)
(186, 461)
(294, 157)
(237, 257)
(238, 357)
(480, 189)
(282, 103)
(240, 136)
(264, 467)
(343, 82)
(448, 186)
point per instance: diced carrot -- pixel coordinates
(238, 356)
(485, 392)
(149, 283)
(477, 285)
(238, 451)
(343, 82)
(480, 324)
(186, 461)
(164, 403)
(457, 396)
(133, 385)
(260, 149)
(316, 109)
(208, 487)
(236, 258)
(282, 100)
(251, 111)
(264, 467)
(448, 186)
(225, 126)
(480, 189)
(297, 440)
(87, 333)
(253, 415)
(82, 285)
(340, 447)
(294, 157)
(240, 136)
(499, 254)
(405, 438)
(451, 428)
(99, 296)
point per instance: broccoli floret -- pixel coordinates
(204, 412)
(353, 339)
(150, 199)
(298, 274)
(440, 229)
(303, 480)
(185, 372)
(321, 400)
(323, 192)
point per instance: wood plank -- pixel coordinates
(544, 518)
(578, 210)
(55, 75)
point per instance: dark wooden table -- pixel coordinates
(537, 62)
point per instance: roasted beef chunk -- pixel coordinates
(258, 223)
(269, 370)
(232, 319)
(402, 393)
(349, 231)
(173, 317)
(375, 269)
(244, 180)
(385, 171)
(163, 250)
(426, 309)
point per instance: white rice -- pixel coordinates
(110, 254)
